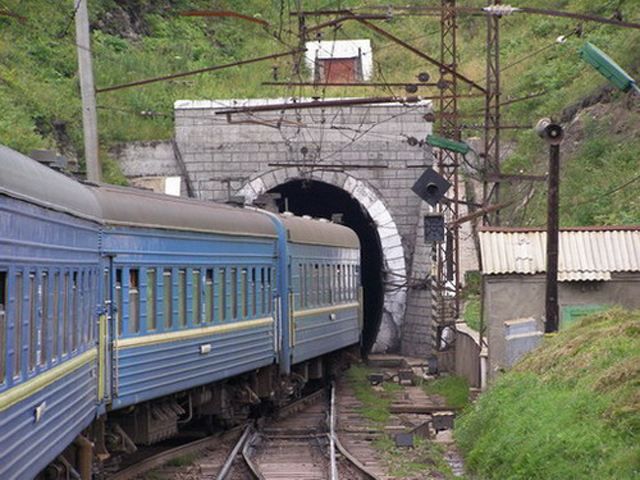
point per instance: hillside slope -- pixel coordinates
(136, 39)
(569, 410)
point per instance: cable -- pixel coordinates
(607, 193)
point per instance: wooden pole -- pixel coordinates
(551, 294)
(87, 91)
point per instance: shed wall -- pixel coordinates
(509, 297)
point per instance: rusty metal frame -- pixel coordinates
(446, 255)
(491, 191)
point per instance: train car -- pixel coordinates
(49, 276)
(125, 314)
(192, 290)
(323, 262)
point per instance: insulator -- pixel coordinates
(500, 10)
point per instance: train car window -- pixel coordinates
(33, 324)
(167, 297)
(196, 298)
(182, 297)
(234, 293)
(244, 292)
(338, 283)
(263, 293)
(87, 289)
(134, 301)
(65, 313)
(300, 286)
(208, 295)
(93, 304)
(118, 293)
(55, 318)
(321, 285)
(3, 326)
(269, 292)
(326, 283)
(222, 293)
(348, 281)
(254, 293)
(152, 285)
(74, 310)
(17, 326)
(83, 293)
(334, 282)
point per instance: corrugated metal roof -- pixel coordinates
(585, 254)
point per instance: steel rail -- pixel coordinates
(246, 456)
(161, 458)
(332, 435)
(226, 467)
(334, 442)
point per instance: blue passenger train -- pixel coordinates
(125, 314)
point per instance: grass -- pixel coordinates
(375, 404)
(183, 461)
(454, 389)
(424, 458)
(472, 312)
(569, 410)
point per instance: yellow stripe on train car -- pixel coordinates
(192, 333)
(42, 380)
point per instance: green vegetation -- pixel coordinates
(569, 410)
(425, 458)
(183, 461)
(454, 389)
(137, 39)
(375, 404)
(472, 312)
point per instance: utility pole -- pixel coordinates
(552, 134)
(87, 91)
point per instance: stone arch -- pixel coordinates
(390, 240)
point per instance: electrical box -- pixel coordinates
(434, 228)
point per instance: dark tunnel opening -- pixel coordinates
(322, 200)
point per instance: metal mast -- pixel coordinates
(446, 255)
(491, 191)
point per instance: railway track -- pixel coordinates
(301, 442)
(302, 447)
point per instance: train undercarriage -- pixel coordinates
(114, 438)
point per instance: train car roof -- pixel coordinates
(139, 208)
(24, 178)
(319, 232)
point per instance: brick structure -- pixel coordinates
(251, 154)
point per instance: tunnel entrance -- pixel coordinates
(322, 200)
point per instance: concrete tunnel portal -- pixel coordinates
(322, 200)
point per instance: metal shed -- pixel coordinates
(598, 267)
